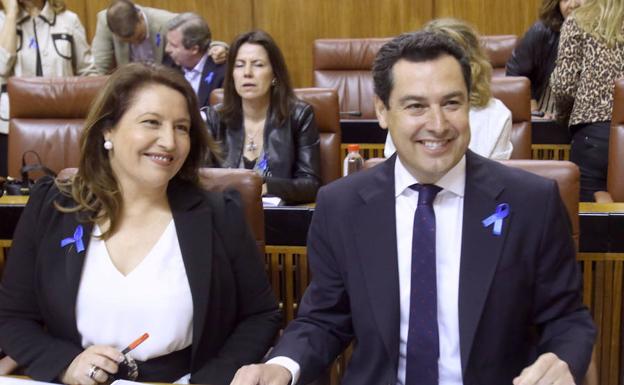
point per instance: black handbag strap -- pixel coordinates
(28, 168)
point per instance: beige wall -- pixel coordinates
(296, 23)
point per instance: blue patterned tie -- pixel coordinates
(423, 349)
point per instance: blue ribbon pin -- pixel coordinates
(157, 40)
(502, 211)
(209, 77)
(32, 43)
(263, 164)
(76, 238)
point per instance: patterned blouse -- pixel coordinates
(585, 74)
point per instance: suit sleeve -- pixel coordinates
(305, 181)
(323, 327)
(258, 315)
(103, 46)
(82, 52)
(565, 324)
(22, 334)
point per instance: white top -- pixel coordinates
(449, 210)
(155, 298)
(193, 75)
(490, 132)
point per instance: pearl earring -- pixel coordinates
(108, 145)
(274, 82)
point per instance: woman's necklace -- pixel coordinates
(251, 145)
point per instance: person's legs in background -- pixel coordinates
(590, 151)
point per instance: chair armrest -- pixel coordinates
(603, 197)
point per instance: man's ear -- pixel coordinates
(380, 110)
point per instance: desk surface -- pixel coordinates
(13, 200)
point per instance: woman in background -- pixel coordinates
(590, 60)
(132, 245)
(38, 38)
(490, 119)
(261, 125)
(535, 55)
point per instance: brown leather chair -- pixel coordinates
(246, 182)
(498, 49)
(325, 104)
(615, 168)
(249, 185)
(515, 93)
(46, 116)
(345, 65)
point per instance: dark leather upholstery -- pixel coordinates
(498, 49)
(615, 168)
(345, 64)
(47, 115)
(246, 182)
(325, 104)
(565, 173)
(515, 93)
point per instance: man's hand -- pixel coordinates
(262, 374)
(218, 53)
(546, 370)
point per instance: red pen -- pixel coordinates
(135, 343)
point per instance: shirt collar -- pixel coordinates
(198, 67)
(454, 181)
(47, 14)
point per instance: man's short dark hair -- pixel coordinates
(416, 47)
(194, 30)
(122, 17)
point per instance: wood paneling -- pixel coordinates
(296, 23)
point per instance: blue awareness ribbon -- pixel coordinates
(263, 164)
(32, 43)
(502, 211)
(209, 77)
(76, 238)
(157, 40)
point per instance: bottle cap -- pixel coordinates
(353, 147)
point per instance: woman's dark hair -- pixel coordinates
(282, 95)
(550, 14)
(94, 188)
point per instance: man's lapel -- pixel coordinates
(481, 248)
(194, 230)
(375, 241)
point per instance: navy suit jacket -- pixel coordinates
(235, 315)
(519, 292)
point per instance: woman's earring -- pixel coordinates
(274, 82)
(108, 145)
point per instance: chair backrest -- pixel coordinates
(498, 49)
(345, 65)
(325, 104)
(46, 116)
(615, 173)
(515, 93)
(565, 173)
(246, 182)
(249, 185)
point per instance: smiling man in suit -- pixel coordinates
(436, 262)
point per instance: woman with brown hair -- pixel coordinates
(261, 125)
(535, 55)
(132, 245)
(590, 60)
(38, 38)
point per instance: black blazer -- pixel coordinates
(534, 57)
(519, 293)
(211, 78)
(235, 314)
(293, 151)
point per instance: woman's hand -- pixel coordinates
(92, 366)
(10, 7)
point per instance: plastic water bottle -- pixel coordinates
(353, 162)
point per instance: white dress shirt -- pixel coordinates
(193, 75)
(449, 210)
(448, 207)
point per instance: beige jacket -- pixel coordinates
(63, 49)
